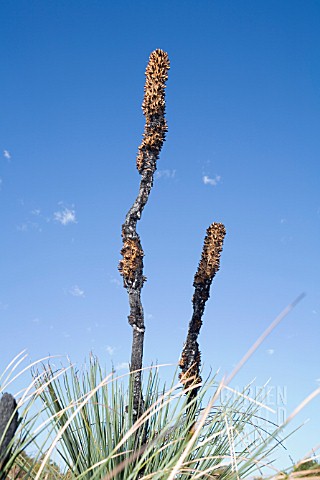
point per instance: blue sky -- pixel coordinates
(243, 144)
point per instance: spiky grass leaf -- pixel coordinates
(92, 414)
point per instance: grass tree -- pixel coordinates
(131, 266)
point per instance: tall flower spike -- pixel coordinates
(131, 265)
(190, 360)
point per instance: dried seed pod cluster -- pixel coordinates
(153, 107)
(132, 262)
(210, 258)
(190, 373)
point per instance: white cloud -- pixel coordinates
(65, 216)
(122, 366)
(270, 351)
(76, 291)
(115, 281)
(7, 154)
(110, 349)
(165, 174)
(318, 380)
(211, 181)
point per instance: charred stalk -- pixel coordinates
(131, 266)
(190, 360)
(8, 425)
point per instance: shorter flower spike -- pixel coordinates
(190, 360)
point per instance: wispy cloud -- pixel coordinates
(76, 291)
(27, 226)
(110, 349)
(285, 239)
(65, 216)
(211, 181)
(165, 174)
(115, 281)
(7, 154)
(3, 306)
(36, 225)
(36, 212)
(23, 227)
(270, 351)
(122, 366)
